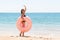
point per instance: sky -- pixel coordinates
(32, 5)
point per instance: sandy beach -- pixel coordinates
(23, 38)
(27, 38)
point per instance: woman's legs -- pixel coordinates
(23, 25)
(22, 34)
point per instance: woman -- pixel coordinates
(23, 21)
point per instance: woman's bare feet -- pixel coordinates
(22, 34)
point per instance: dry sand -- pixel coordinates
(27, 38)
(23, 38)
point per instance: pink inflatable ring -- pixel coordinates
(28, 24)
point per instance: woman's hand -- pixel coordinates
(25, 7)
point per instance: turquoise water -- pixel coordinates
(42, 23)
(41, 18)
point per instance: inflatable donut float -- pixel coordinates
(24, 28)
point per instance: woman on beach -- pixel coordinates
(23, 21)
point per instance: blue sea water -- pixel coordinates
(41, 18)
(42, 23)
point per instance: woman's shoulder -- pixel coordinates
(25, 16)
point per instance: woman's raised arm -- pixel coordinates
(24, 7)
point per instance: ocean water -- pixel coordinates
(42, 24)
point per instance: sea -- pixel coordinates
(43, 24)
